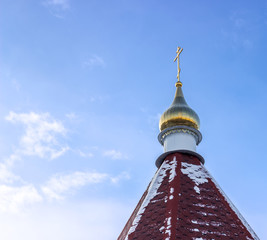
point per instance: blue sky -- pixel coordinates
(83, 84)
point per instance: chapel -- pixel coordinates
(183, 200)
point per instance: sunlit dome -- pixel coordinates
(179, 113)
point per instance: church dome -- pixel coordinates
(179, 113)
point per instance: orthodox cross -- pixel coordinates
(179, 50)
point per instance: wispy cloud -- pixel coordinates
(64, 4)
(85, 154)
(40, 137)
(99, 98)
(15, 84)
(67, 221)
(94, 61)
(71, 116)
(12, 199)
(59, 185)
(57, 7)
(240, 32)
(123, 175)
(6, 175)
(114, 154)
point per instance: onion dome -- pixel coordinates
(179, 113)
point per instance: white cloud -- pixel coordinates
(67, 221)
(6, 176)
(239, 34)
(41, 132)
(15, 84)
(85, 154)
(14, 198)
(41, 138)
(71, 116)
(57, 8)
(12, 159)
(59, 185)
(123, 175)
(94, 61)
(114, 154)
(63, 4)
(56, 154)
(99, 98)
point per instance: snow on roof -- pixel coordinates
(184, 202)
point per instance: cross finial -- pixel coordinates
(178, 52)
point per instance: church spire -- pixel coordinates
(179, 119)
(183, 201)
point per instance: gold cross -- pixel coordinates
(179, 50)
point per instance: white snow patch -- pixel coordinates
(168, 231)
(204, 205)
(169, 222)
(216, 224)
(196, 173)
(200, 222)
(172, 170)
(162, 228)
(153, 190)
(197, 189)
(203, 213)
(171, 191)
(196, 230)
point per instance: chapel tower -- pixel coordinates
(183, 201)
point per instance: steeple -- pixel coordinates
(183, 201)
(179, 124)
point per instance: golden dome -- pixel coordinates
(179, 113)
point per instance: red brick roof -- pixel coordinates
(184, 202)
